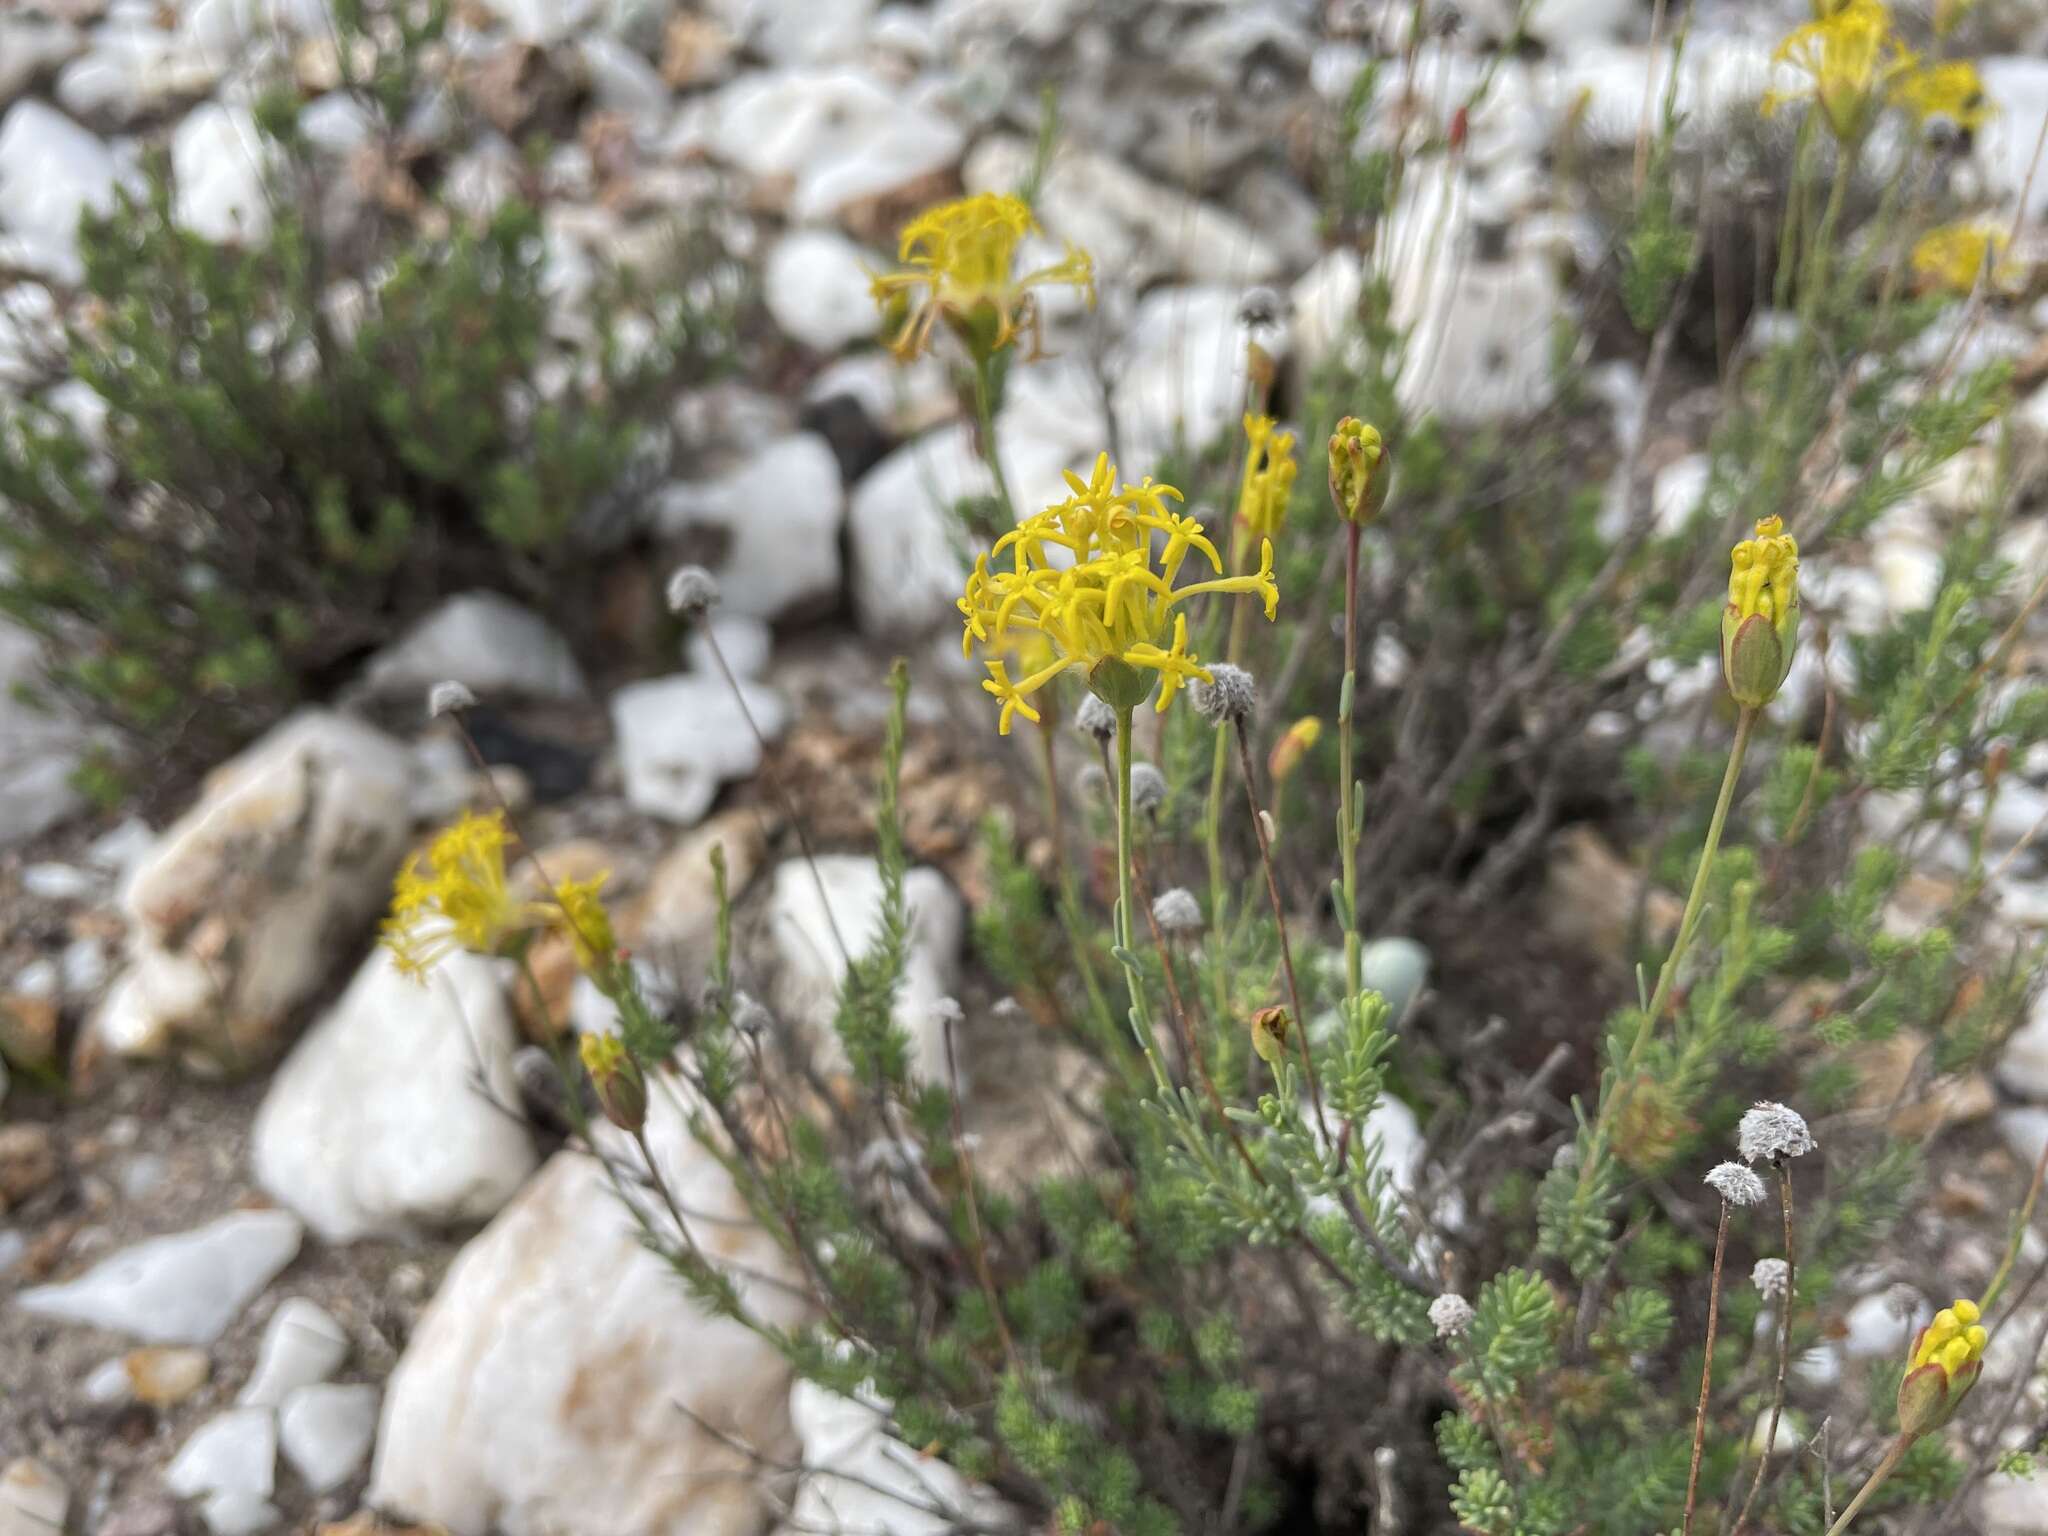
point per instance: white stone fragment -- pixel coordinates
(302, 1346)
(327, 1431)
(181, 1289)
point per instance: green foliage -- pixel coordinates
(306, 439)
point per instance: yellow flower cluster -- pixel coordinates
(1953, 1340)
(1086, 575)
(1855, 65)
(1956, 255)
(464, 900)
(1269, 471)
(957, 266)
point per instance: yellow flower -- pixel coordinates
(1850, 60)
(1269, 471)
(1956, 255)
(1952, 90)
(1085, 574)
(1941, 1368)
(465, 903)
(586, 922)
(1760, 622)
(958, 258)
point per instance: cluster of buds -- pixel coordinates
(1946, 1357)
(1760, 624)
(1358, 486)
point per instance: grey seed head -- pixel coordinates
(692, 591)
(449, 698)
(1148, 788)
(1096, 719)
(1736, 1184)
(1772, 1131)
(1228, 696)
(1177, 911)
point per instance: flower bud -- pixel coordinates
(1269, 1034)
(1358, 484)
(1760, 624)
(1946, 1358)
(1292, 747)
(616, 1078)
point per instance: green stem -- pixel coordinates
(1126, 903)
(1347, 814)
(1666, 977)
(1219, 896)
(985, 417)
(1883, 1470)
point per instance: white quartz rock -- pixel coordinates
(302, 1346)
(181, 1289)
(390, 1116)
(540, 1391)
(809, 925)
(777, 519)
(235, 914)
(681, 737)
(487, 642)
(51, 171)
(217, 158)
(859, 1481)
(33, 1500)
(815, 284)
(230, 1466)
(327, 1432)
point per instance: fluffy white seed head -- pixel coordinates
(1772, 1131)
(1227, 697)
(1177, 911)
(692, 591)
(1148, 788)
(1771, 1277)
(1096, 719)
(1450, 1314)
(1736, 1184)
(449, 698)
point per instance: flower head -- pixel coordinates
(1095, 718)
(1177, 911)
(616, 1077)
(1955, 256)
(1760, 623)
(1951, 90)
(1358, 485)
(1268, 482)
(1148, 788)
(1772, 1131)
(1227, 697)
(692, 591)
(958, 260)
(463, 902)
(1850, 60)
(1086, 574)
(1941, 1367)
(1736, 1184)
(1450, 1314)
(583, 918)
(1771, 1277)
(449, 698)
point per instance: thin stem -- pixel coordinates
(2020, 1223)
(1666, 977)
(1347, 816)
(1883, 1470)
(1063, 874)
(1699, 1422)
(985, 419)
(1763, 1461)
(1141, 1019)
(1219, 893)
(1251, 795)
(979, 1253)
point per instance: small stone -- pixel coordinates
(28, 1028)
(487, 643)
(141, 1517)
(327, 1431)
(747, 645)
(217, 159)
(33, 1502)
(181, 1289)
(682, 737)
(230, 1466)
(773, 525)
(28, 1162)
(1397, 969)
(302, 1347)
(815, 284)
(387, 1117)
(163, 1375)
(51, 171)
(1882, 1324)
(57, 882)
